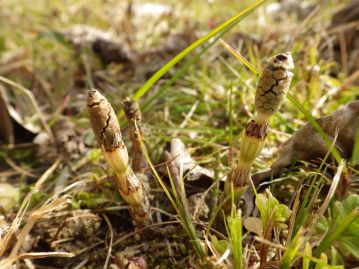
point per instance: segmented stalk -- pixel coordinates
(107, 131)
(134, 116)
(271, 91)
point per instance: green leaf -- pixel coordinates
(342, 227)
(291, 252)
(269, 206)
(335, 258)
(220, 245)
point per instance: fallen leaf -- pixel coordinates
(105, 45)
(184, 160)
(7, 130)
(306, 144)
(254, 225)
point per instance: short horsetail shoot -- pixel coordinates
(271, 91)
(107, 131)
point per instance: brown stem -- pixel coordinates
(107, 131)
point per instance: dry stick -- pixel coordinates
(109, 251)
(34, 217)
(271, 90)
(107, 131)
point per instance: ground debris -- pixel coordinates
(126, 259)
(7, 132)
(307, 144)
(345, 30)
(105, 45)
(69, 141)
(113, 49)
(183, 160)
(68, 231)
(196, 177)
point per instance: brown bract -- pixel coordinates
(254, 129)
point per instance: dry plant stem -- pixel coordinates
(134, 117)
(6, 240)
(34, 217)
(107, 131)
(271, 90)
(267, 234)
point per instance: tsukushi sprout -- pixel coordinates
(271, 91)
(107, 131)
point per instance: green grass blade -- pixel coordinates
(164, 69)
(234, 231)
(237, 192)
(243, 60)
(355, 154)
(310, 196)
(185, 219)
(291, 252)
(308, 252)
(331, 236)
(230, 116)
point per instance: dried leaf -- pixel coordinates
(183, 159)
(7, 130)
(307, 144)
(108, 48)
(254, 225)
(20, 125)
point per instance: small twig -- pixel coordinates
(111, 241)
(17, 168)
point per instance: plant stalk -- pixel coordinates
(107, 131)
(271, 91)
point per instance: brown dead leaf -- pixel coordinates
(254, 225)
(68, 142)
(107, 47)
(7, 128)
(307, 144)
(184, 161)
(196, 178)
